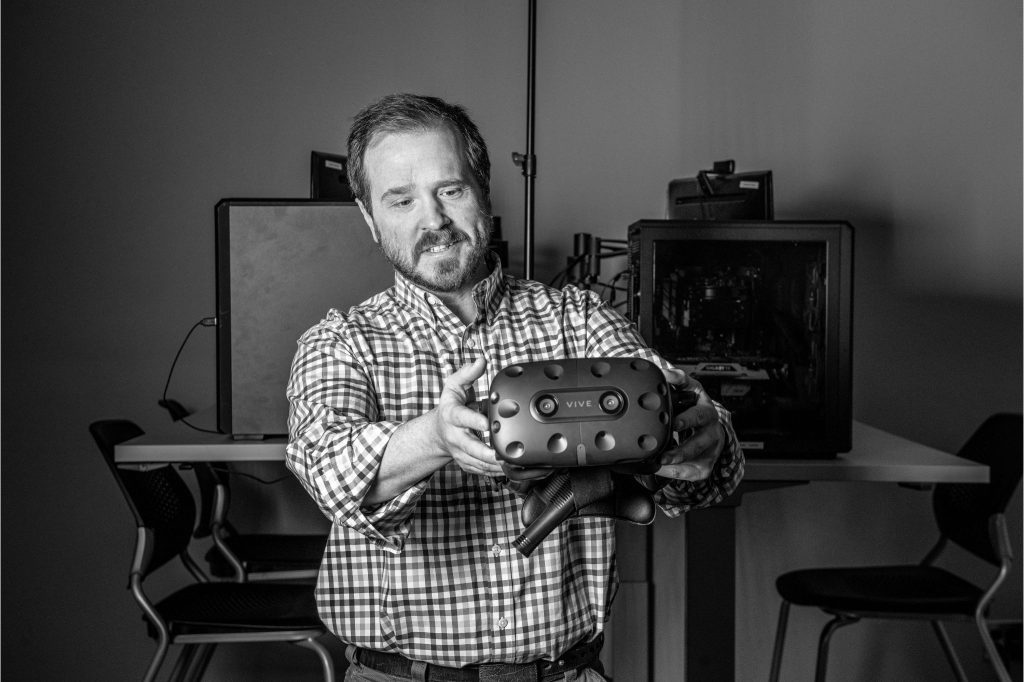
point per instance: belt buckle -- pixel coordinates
(547, 668)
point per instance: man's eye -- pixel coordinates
(401, 203)
(452, 192)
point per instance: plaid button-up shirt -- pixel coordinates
(432, 574)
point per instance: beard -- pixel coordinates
(447, 275)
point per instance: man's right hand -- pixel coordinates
(456, 426)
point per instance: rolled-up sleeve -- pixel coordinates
(337, 439)
(682, 496)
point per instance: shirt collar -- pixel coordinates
(487, 293)
(490, 291)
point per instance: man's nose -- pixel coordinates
(434, 215)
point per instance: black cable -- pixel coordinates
(197, 428)
(610, 286)
(178, 355)
(224, 469)
(232, 472)
(178, 412)
(564, 273)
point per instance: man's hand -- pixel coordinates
(700, 432)
(455, 424)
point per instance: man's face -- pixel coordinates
(427, 214)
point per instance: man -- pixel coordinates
(419, 576)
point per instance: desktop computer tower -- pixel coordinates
(761, 314)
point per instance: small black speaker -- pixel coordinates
(328, 177)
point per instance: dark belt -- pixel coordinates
(582, 655)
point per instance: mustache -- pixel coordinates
(444, 235)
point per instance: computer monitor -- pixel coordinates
(760, 313)
(281, 265)
(722, 194)
(328, 177)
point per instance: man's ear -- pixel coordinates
(369, 221)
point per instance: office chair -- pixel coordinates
(970, 515)
(202, 614)
(250, 556)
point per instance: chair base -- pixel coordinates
(842, 619)
(197, 650)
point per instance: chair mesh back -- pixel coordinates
(158, 497)
(206, 477)
(210, 476)
(962, 510)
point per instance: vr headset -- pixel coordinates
(588, 427)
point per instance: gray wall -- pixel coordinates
(124, 123)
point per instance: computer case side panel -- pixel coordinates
(759, 312)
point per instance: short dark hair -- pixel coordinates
(405, 113)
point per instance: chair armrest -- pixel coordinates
(1000, 537)
(218, 526)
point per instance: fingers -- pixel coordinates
(461, 379)
(702, 440)
(675, 377)
(694, 458)
(458, 422)
(470, 453)
(525, 474)
(462, 417)
(465, 446)
(696, 469)
(696, 417)
(479, 467)
(681, 380)
(452, 403)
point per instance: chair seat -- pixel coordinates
(909, 590)
(222, 606)
(265, 552)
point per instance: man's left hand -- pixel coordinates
(701, 435)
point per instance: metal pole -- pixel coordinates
(528, 162)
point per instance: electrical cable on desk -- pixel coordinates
(223, 468)
(177, 411)
(563, 274)
(217, 466)
(609, 288)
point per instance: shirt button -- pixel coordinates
(503, 622)
(470, 343)
(496, 550)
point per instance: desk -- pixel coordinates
(710, 590)
(197, 446)
(876, 456)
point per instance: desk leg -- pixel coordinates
(685, 589)
(709, 626)
(709, 629)
(631, 629)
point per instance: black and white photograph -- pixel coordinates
(519, 340)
